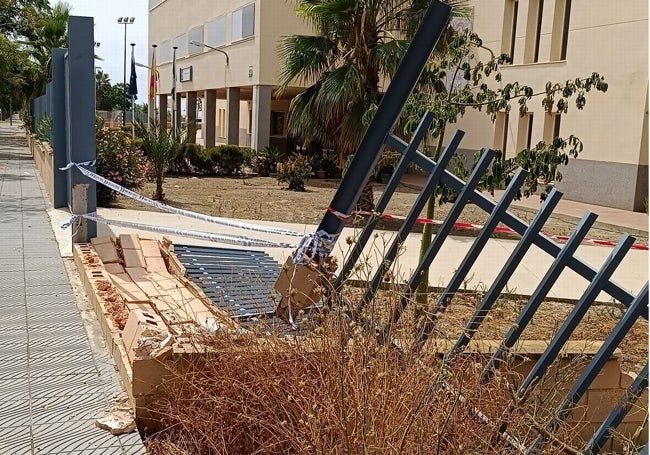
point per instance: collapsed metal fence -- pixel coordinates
(380, 134)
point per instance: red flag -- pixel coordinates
(153, 83)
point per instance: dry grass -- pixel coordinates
(340, 391)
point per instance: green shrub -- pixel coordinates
(119, 159)
(294, 172)
(44, 129)
(266, 161)
(228, 159)
(188, 159)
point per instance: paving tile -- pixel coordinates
(74, 437)
(21, 446)
(15, 413)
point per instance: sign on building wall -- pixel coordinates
(186, 74)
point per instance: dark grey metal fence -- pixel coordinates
(380, 134)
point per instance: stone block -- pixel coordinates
(107, 253)
(141, 324)
(101, 241)
(130, 241)
(150, 248)
(133, 258)
(300, 287)
(609, 377)
(114, 268)
(156, 264)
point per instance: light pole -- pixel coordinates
(198, 43)
(126, 21)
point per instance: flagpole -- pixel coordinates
(152, 85)
(133, 88)
(174, 113)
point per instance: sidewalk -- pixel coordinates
(631, 274)
(53, 383)
(635, 221)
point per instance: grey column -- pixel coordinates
(209, 118)
(191, 117)
(261, 128)
(162, 102)
(80, 121)
(233, 115)
(60, 198)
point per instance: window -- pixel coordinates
(216, 31)
(195, 34)
(181, 42)
(509, 36)
(277, 123)
(164, 52)
(533, 31)
(222, 123)
(560, 35)
(243, 22)
(525, 132)
(501, 132)
(551, 126)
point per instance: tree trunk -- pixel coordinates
(366, 201)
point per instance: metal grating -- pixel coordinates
(239, 282)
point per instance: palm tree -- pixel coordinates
(356, 43)
(52, 32)
(102, 89)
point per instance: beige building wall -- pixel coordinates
(253, 62)
(610, 38)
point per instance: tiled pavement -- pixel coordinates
(52, 385)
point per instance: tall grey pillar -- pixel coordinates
(60, 191)
(209, 118)
(233, 115)
(179, 120)
(80, 121)
(261, 128)
(162, 102)
(191, 117)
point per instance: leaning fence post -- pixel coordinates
(80, 122)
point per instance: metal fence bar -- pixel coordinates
(441, 235)
(428, 189)
(615, 418)
(470, 258)
(540, 292)
(384, 199)
(408, 72)
(579, 310)
(544, 243)
(638, 306)
(508, 269)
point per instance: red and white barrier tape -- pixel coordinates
(476, 227)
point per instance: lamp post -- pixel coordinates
(126, 21)
(198, 43)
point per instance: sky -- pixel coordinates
(110, 36)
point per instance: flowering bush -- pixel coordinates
(294, 172)
(120, 160)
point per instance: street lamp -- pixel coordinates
(198, 43)
(126, 21)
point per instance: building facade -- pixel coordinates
(232, 90)
(550, 40)
(559, 40)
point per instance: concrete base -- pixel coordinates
(619, 185)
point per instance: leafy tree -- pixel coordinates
(19, 18)
(14, 65)
(161, 147)
(458, 81)
(356, 42)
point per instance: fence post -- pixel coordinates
(57, 111)
(80, 121)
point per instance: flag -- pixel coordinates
(153, 82)
(133, 81)
(174, 75)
